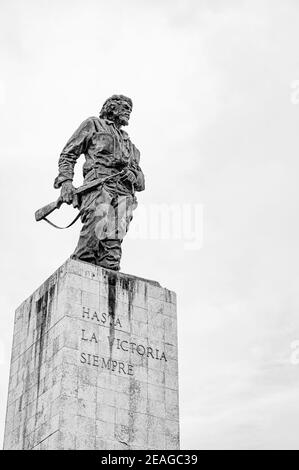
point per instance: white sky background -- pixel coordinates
(216, 124)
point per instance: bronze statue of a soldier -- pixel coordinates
(106, 210)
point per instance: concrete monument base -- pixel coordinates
(94, 364)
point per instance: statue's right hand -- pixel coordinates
(67, 192)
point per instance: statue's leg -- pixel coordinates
(119, 218)
(124, 206)
(110, 254)
(95, 207)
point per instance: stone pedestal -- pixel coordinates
(94, 364)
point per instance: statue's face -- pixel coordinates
(121, 111)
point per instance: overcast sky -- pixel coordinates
(216, 120)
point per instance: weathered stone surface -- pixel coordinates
(94, 364)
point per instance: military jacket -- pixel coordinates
(107, 149)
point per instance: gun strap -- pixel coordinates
(62, 228)
(101, 184)
(75, 219)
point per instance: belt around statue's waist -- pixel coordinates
(112, 180)
(95, 173)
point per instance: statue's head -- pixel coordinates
(117, 108)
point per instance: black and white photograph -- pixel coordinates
(149, 260)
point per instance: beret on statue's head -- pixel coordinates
(114, 99)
